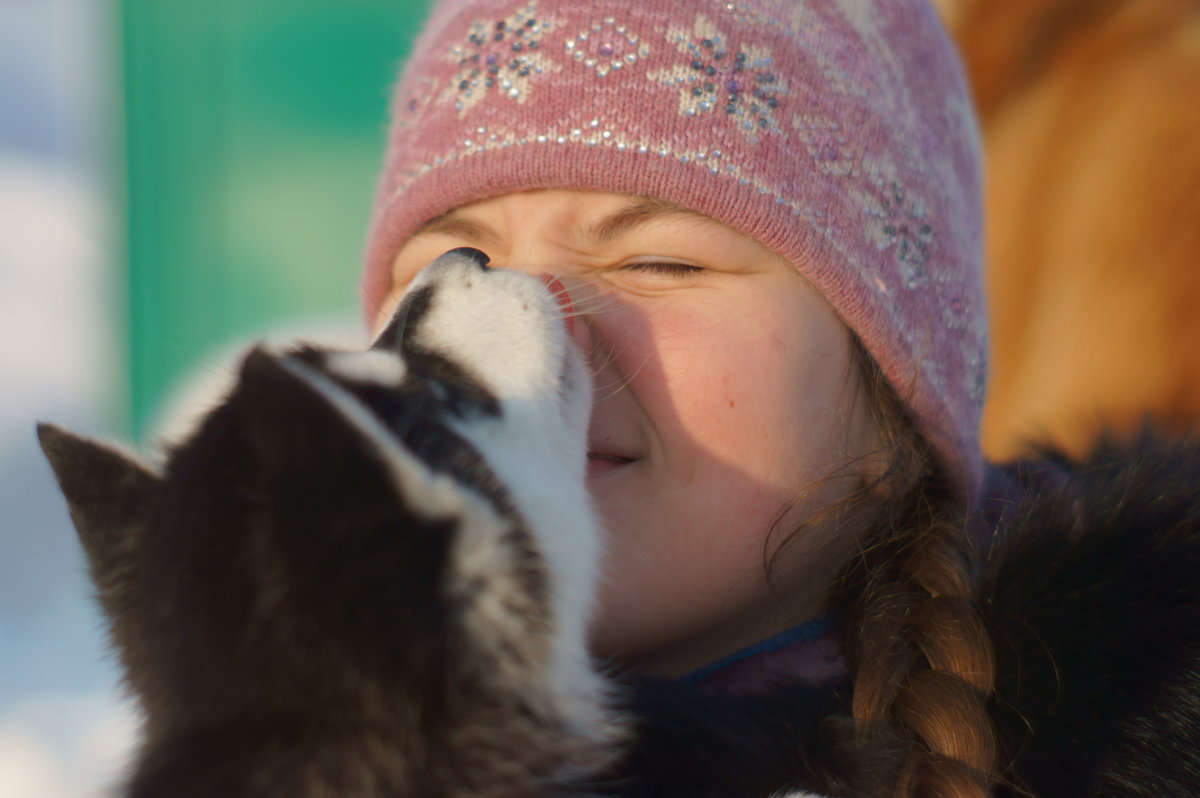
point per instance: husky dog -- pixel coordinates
(370, 573)
(342, 585)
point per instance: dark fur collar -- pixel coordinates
(1092, 592)
(1091, 589)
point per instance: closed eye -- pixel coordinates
(665, 268)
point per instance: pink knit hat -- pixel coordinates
(836, 132)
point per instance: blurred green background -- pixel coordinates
(254, 132)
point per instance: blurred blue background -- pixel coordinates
(176, 178)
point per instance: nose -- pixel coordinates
(479, 256)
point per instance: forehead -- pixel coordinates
(594, 218)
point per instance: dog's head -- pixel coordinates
(348, 530)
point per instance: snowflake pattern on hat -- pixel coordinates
(827, 144)
(898, 222)
(717, 77)
(501, 57)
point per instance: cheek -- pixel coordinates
(741, 402)
(693, 359)
(744, 395)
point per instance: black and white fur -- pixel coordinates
(370, 574)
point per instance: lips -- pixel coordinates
(601, 462)
(614, 458)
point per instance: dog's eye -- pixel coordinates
(665, 268)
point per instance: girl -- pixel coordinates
(767, 215)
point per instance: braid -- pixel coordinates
(922, 666)
(919, 653)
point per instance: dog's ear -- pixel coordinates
(309, 433)
(107, 493)
(301, 425)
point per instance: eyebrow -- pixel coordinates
(603, 231)
(451, 224)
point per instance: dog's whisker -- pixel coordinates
(615, 387)
(392, 334)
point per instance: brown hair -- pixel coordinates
(919, 654)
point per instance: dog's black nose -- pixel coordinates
(479, 256)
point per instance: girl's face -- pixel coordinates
(724, 393)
